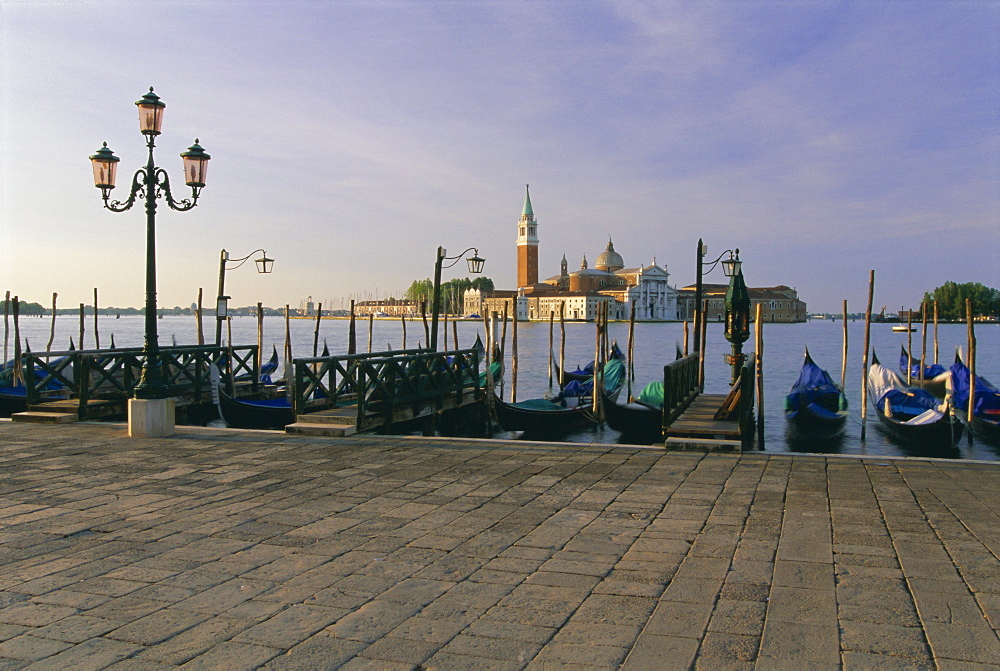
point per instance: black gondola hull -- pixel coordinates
(637, 422)
(541, 422)
(243, 415)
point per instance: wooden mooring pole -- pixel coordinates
(923, 339)
(630, 377)
(513, 359)
(552, 319)
(352, 339)
(18, 378)
(972, 363)
(52, 329)
(319, 316)
(909, 347)
(454, 330)
(197, 316)
(687, 324)
(97, 335)
(427, 329)
(402, 318)
(562, 343)
(864, 358)
(935, 331)
(289, 371)
(260, 335)
(444, 318)
(82, 315)
(371, 330)
(759, 355)
(843, 357)
(6, 326)
(701, 353)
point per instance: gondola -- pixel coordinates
(558, 416)
(271, 413)
(910, 414)
(816, 407)
(640, 421)
(13, 399)
(935, 379)
(587, 372)
(986, 410)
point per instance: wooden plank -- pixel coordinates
(698, 420)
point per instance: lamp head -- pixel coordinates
(731, 266)
(264, 264)
(105, 165)
(195, 165)
(150, 113)
(476, 263)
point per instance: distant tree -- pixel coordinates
(24, 307)
(452, 292)
(951, 297)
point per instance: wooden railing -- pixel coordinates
(680, 387)
(328, 382)
(381, 385)
(114, 373)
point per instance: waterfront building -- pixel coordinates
(578, 293)
(391, 307)
(779, 305)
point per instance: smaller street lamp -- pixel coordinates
(730, 267)
(475, 267)
(737, 320)
(264, 266)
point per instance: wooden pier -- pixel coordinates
(694, 420)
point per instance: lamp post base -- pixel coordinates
(151, 417)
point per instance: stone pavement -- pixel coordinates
(240, 550)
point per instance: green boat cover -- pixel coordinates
(652, 394)
(538, 404)
(614, 373)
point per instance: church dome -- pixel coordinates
(610, 260)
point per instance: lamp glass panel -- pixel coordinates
(476, 265)
(104, 173)
(151, 118)
(264, 265)
(194, 171)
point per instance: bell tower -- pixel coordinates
(527, 245)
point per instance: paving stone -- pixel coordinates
(653, 651)
(31, 648)
(232, 657)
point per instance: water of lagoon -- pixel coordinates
(655, 345)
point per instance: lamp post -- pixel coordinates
(475, 267)
(737, 321)
(264, 266)
(150, 182)
(730, 267)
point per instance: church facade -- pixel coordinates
(578, 295)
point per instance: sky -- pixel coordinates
(351, 139)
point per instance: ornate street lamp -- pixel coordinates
(150, 183)
(730, 267)
(475, 267)
(737, 320)
(264, 266)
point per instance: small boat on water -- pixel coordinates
(815, 407)
(910, 414)
(583, 374)
(902, 328)
(640, 421)
(986, 408)
(935, 378)
(263, 413)
(568, 412)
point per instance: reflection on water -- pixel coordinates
(784, 346)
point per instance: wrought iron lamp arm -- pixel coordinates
(162, 181)
(241, 261)
(138, 190)
(456, 259)
(711, 266)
